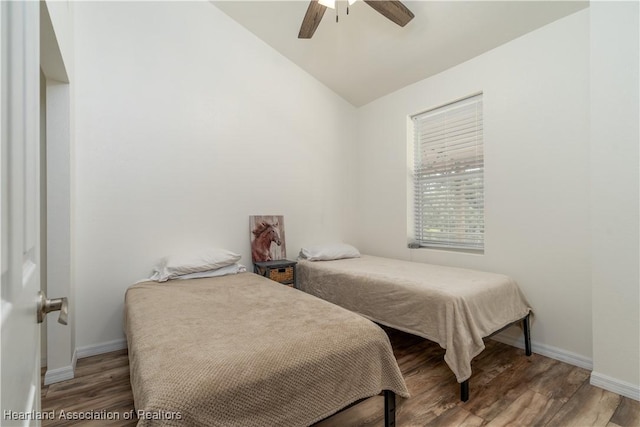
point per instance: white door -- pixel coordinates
(19, 213)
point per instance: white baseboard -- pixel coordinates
(615, 385)
(548, 351)
(96, 349)
(61, 374)
(67, 372)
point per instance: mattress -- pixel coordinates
(242, 350)
(454, 307)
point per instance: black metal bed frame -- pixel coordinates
(526, 328)
(389, 407)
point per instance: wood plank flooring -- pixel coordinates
(507, 389)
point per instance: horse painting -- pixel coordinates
(264, 234)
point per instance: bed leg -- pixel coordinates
(526, 327)
(389, 408)
(464, 390)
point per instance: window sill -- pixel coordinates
(471, 251)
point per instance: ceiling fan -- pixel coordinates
(394, 10)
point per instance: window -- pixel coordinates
(448, 176)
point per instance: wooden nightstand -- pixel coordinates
(281, 270)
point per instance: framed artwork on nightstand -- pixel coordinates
(267, 238)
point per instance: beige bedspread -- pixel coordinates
(454, 307)
(242, 350)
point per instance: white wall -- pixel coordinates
(536, 134)
(186, 125)
(615, 191)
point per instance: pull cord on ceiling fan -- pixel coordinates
(332, 4)
(393, 10)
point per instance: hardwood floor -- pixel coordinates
(507, 389)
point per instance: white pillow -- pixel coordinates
(177, 265)
(223, 271)
(329, 252)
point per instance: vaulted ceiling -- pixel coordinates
(365, 56)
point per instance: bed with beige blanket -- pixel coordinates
(242, 350)
(454, 307)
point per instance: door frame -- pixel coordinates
(58, 245)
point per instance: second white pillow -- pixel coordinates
(329, 252)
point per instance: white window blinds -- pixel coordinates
(449, 176)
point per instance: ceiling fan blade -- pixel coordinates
(312, 18)
(393, 10)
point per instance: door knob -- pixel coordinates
(48, 305)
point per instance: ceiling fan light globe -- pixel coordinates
(331, 4)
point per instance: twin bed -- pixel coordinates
(454, 307)
(241, 350)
